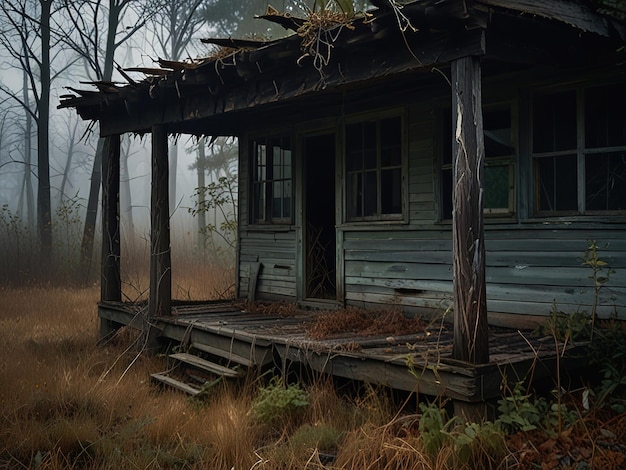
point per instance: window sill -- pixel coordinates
(268, 228)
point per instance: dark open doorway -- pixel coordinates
(319, 217)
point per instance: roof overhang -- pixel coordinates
(215, 95)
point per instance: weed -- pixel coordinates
(278, 403)
(518, 412)
(608, 353)
(567, 326)
(432, 426)
(600, 276)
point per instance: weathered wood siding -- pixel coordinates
(528, 270)
(533, 266)
(276, 251)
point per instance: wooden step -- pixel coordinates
(228, 355)
(208, 366)
(177, 384)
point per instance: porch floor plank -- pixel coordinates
(413, 361)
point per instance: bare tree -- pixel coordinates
(175, 26)
(97, 33)
(27, 39)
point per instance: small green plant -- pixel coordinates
(608, 352)
(432, 426)
(475, 442)
(566, 326)
(600, 276)
(518, 412)
(279, 403)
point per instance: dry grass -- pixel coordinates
(361, 322)
(67, 403)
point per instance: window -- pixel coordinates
(499, 170)
(373, 150)
(272, 193)
(579, 151)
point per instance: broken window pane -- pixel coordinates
(557, 184)
(605, 181)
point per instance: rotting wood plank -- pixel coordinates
(434, 371)
(177, 384)
(228, 355)
(203, 364)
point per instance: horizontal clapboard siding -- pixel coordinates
(421, 151)
(528, 271)
(276, 251)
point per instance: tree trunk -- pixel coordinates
(86, 248)
(126, 202)
(110, 285)
(173, 158)
(200, 166)
(160, 257)
(44, 206)
(28, 158)
(470, 300)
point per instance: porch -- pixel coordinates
(419, 360)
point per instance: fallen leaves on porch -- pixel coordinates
(281, 309)
(363, 323)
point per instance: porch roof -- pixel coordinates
(217, 95)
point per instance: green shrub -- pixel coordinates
(278, 403)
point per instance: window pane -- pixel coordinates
(287, 199)
(370, 194)
(259, 201)
(554, 122)
(354, 147)
(370, 140)
(355, 192)
(605, 181)
(391, 191)
(557, 183)
(261, 161)
(390, 142)
(277, 208)
(497, 131)
(605, 116)
(497, 187)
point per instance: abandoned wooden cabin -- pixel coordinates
(424, 156)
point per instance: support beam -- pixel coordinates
(468, 239)
(160, 303)
(110, 283)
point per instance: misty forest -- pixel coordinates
(49, 158)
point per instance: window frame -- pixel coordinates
(268, 179)
(580, 152)
(379, 217)
(511, 161)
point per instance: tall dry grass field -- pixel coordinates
(66, 402)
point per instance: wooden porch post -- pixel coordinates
(468, 238)
(160, 303)
(110, 278)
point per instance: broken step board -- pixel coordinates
(205, 365)
(227, 355)
(174, 383)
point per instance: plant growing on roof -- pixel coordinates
(322, 27)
